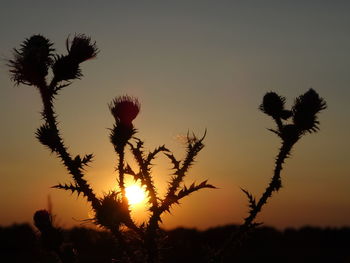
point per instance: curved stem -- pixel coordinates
(274, 185)
(61, 150)
(130, 223)
(278, 122)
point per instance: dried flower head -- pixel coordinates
(305, 111)
(65, 68)
(32, 60)
(273, 105)
(113, 211)
(81, 48)
(125, 109)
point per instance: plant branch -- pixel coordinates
(61, 150)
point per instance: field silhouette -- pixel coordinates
(20, 243)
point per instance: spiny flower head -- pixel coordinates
(81, 48)
(273, 105)
(112, 212)
(305, 111)
(125, 109)
(32, 60)
(65, 68)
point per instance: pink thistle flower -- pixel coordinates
(125, 109)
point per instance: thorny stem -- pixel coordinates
(274, 185)
(151, 237)
(150, 188)
(151, 232)
(180, 172)
(278, 122)
(153, 225)
(130, 224)
(49, 116)
(121, 172)
(146, 177)
(152, 192)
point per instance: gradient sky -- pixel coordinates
(194, 65)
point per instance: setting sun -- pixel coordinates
(135, 194)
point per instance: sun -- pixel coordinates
(135, 194)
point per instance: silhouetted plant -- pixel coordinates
(30, 66)
(304, 120)
(52, 238)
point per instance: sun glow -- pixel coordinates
(135, 194)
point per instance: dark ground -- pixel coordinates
(20, 243)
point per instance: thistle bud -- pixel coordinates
(81, 48)
(32, 60)
(112, 212)
(124, 110)
(273, 105)
(305, 111)
(65, 68)
(48, 137)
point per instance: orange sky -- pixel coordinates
(193, 67)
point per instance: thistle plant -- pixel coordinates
(30, 66)
(304, 120)
(291, 126)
